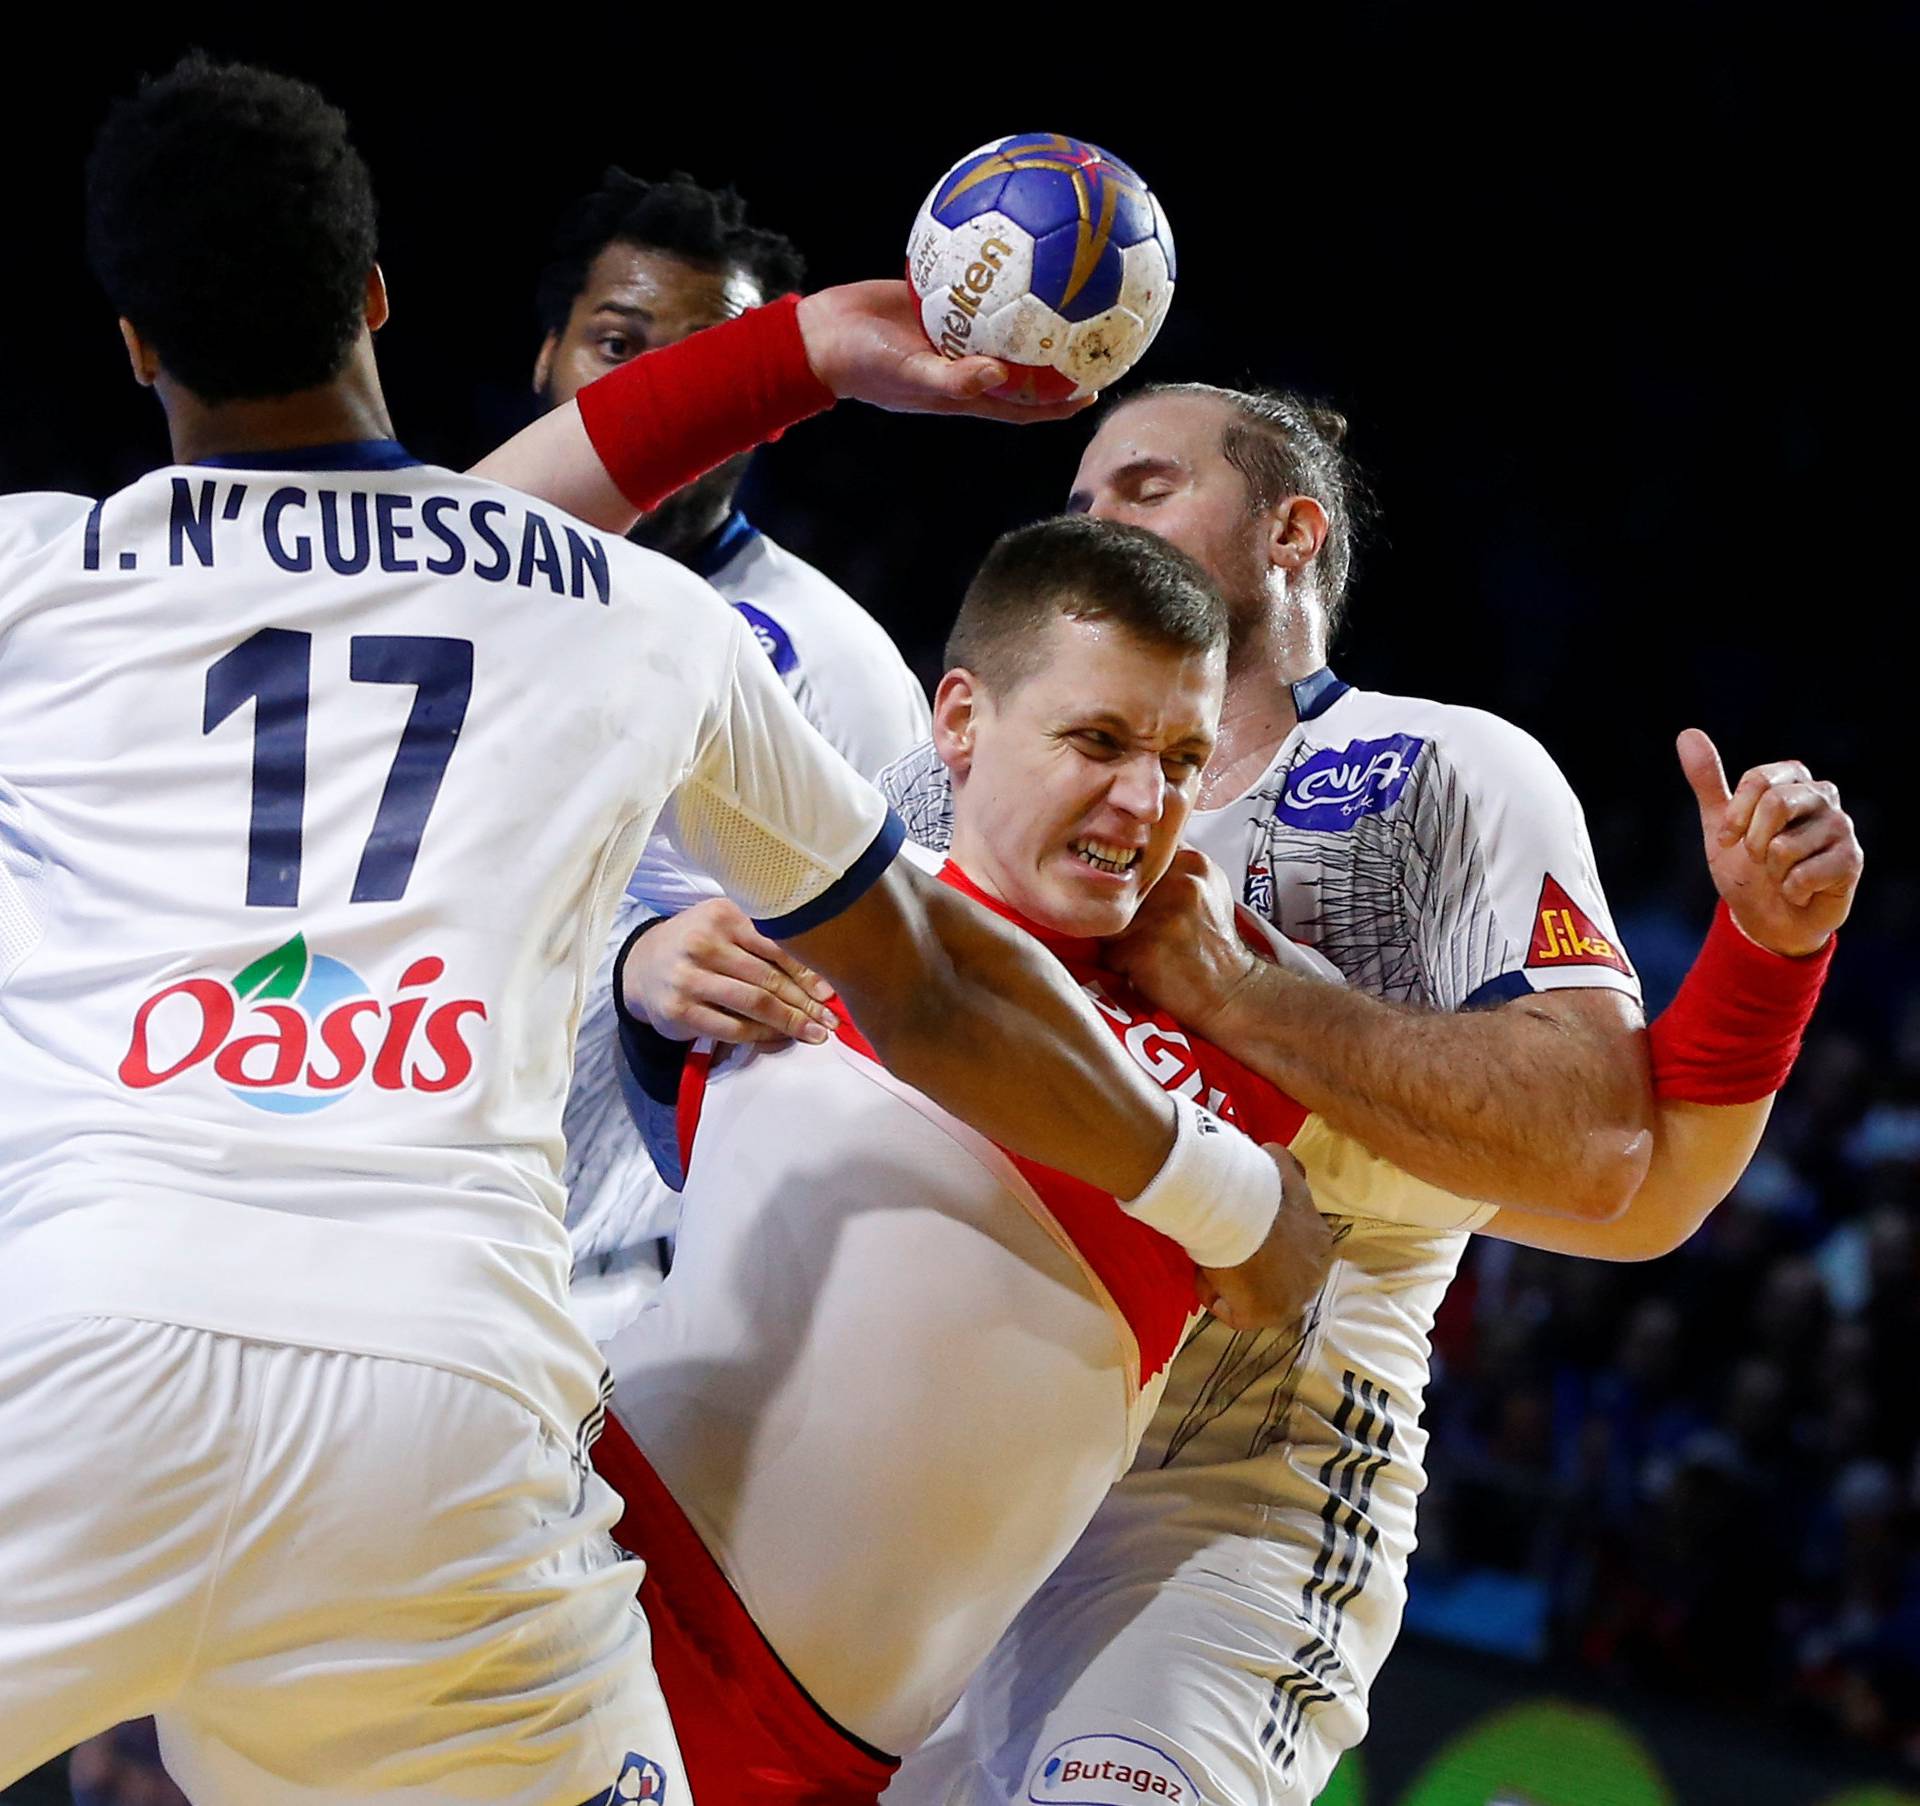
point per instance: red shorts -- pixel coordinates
(748, 1733)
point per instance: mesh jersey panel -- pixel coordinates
(766, 875)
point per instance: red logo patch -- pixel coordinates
(1564, 934)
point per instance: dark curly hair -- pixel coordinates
(706, 226)
(230, 218)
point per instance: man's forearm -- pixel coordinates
(995, 1030)
(653, 425)
(1699, 1153)
(1541, 1105)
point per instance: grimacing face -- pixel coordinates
(1157, 463)
(1071, 791)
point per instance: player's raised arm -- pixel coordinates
(1786, 862)
(653, 425)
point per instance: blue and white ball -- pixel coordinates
(1045, 252)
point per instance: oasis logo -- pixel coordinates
(1332, 790)
(294, 1032)
(1108, 1771)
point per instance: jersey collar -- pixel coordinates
(1316, 694)
(1069, 949)
(342, 454)
(722, 545)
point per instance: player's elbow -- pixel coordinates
(1664, 1218)
(1608, 1173)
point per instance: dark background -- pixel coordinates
(1611, 298)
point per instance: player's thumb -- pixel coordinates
(1700, 760)
(967, 377)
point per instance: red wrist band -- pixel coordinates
(1731, 1034)
(672, 415)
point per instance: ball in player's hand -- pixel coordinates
(1047, 253)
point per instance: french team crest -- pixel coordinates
(641, 1783)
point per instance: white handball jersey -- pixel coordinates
(852, 684)
(319, 778)
(1437, 857)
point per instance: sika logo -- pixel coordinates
(296, 1031)
(1565, 935)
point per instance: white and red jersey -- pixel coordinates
(895, 1368)
(1436, 856)
(849, 680)
(319, 778)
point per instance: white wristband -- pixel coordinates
(1216, 1194)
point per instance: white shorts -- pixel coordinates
(1160, 1664)
(331, 1577)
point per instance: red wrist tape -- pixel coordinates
(672, 415)
(1732, 1033)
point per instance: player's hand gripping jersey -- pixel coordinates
(1219, 1625)
(286, 1011)
(852, 684)
(895, 1368)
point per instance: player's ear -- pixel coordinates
(1296, 530)
(955, 706)
(377, 308)
(543, 364)
(146, 366)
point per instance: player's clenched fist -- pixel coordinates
(709, 971)
(1270, 1290)
(1183, 947)
(1781, 849)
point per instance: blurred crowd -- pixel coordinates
(1701, 1475)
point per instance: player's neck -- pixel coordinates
(1258, 711)
(349, 407)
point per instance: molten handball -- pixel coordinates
(1047, 253)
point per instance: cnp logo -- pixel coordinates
(294, 1032)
